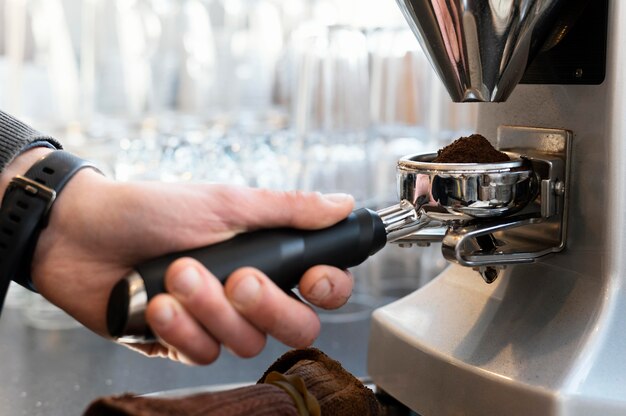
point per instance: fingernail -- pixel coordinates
(164, 315)
(186, 283)
(337, 198)
(321, 289)
(246, 291)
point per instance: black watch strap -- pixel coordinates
(24, 213)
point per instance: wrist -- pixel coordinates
(20, 165)
(26, 206)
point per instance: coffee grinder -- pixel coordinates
(528, 319)
(543, 332)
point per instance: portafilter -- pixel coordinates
(429, 193)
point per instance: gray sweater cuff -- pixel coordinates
(16, 137)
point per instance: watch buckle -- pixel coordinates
(34, 188)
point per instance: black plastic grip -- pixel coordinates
(282, 254)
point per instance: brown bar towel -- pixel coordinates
(337, 391)
(259, 400)
(300, 383)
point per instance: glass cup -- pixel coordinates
(400, 97)
(330, 108)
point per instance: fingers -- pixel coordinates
(326, 286)
(199, 314)
(174, 326)
(270, 309)
(199, 317)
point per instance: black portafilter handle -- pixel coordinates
(283, 254)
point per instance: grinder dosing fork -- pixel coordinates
(492, 215)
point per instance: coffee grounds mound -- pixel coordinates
(471, 149)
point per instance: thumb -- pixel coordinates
(262, 208)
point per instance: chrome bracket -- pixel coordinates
(541, 228)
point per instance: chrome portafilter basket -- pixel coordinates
(461, 192)
(486, 215)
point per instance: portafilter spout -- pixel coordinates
(480, 49)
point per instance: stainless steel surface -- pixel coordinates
(491, 214)
(480, 49)
(403, 220)
(546, 338)
(540, 228)
(59, 372)
(461, 244)
(397, 216)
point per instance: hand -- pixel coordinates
(99, 229)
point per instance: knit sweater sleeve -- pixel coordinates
(16, 136)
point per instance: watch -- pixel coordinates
(25, 211)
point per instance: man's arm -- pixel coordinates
(99, 229)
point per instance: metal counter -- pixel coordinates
(59, 372)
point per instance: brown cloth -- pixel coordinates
(259, 400)
(337, 393)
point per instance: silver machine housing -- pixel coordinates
(548, 336)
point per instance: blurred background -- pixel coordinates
(320, 95)
(317, 94)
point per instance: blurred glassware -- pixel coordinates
(401, 111)
(362, 14)
(397, 271)
(127, 37)
(447, 120)
(267, 93)
(248, 36)
(141, 151)
(330, 108)
(12, 54)
(197, 81)
(257, 152)
(400, 105)
(292, 14)
(266, 153)
(224, 102)
(400, 82)
(40, 74)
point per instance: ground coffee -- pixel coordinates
(471, 149)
